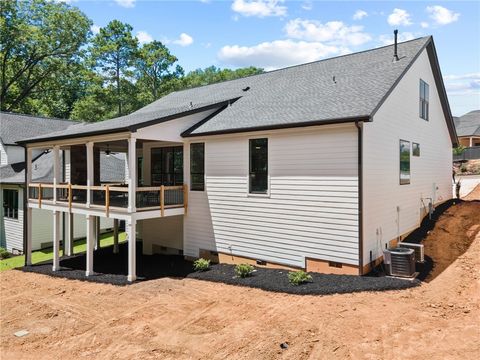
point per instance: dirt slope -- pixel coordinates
(190, 319)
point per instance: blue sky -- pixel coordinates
(273, 34)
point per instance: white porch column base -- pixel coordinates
(132, 265)
(29, 236)
(56, 240)
(115, 236)
(90, 244)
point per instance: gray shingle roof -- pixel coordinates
(112, 169)
(468, 124)
(15, 127)
(337, 89)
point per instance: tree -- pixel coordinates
(113, 53)
(39, 42)
(155, 69)
(212, 74)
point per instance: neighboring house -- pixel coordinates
(468, 128)
(318, 166)
(14, 127)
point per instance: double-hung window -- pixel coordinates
(10, 203)
(258, 163)
(197, 167)
(424, 100)
(404, 162)
(167, 166)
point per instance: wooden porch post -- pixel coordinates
(115, 236)
(90, 245)
(132, 264)
(28, 242)
(56, 240)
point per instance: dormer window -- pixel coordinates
(424, 100)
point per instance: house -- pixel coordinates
(12, 182)
(468, 128)
(318, 166)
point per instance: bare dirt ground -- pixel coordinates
(191, 319)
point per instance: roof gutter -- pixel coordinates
(365, 118)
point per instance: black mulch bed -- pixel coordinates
(322, 284)
(112, 269)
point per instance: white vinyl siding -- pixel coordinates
(311, 209)
(11, 230)
(398, 119)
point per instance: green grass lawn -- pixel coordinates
(47, 254)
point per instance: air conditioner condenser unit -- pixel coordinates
(399, 262)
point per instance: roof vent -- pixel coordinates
(334, 80)
(191, 104)
(395, 54)
(246, 89)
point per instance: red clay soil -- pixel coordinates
(192, 319)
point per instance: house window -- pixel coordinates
(423, 99)
(197, 167)
(140, 171)
(404, 162)
(10, 203)
(258, 177)
(167, 166)
(415, 149)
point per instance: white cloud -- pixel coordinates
(277, 54)
(126, 3)
(144, 37)
(399, 17)
(424, 24)
(470, 76)
(333, 31)
(441, 15)
(95, 29)
(184, 40)
(359, 14)
(307, 5)
(259, 8)
(402, 36)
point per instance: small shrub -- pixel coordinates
(201, 264)
(299, 277)
(4, 254)
(244, 270)
(463, 168)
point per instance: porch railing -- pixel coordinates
(110, 197)
(470, 153)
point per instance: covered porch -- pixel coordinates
(151, 188)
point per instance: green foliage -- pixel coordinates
(459, 150)
(299, 277)
(201, 264)
(4, 254)
(463, 168)
(40, 42)
(244, 270)
(51, 65)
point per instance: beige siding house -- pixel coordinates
(318, 166)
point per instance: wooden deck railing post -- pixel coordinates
(162, 200)
(107, 200)
(39, 196)
(185, 198)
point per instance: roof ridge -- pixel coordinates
(299, 65)
(37, 116)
